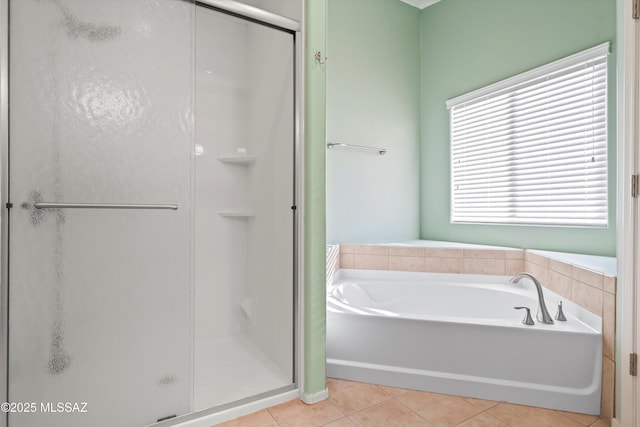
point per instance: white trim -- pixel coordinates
(627, 233)
(310, 399)
(254, 13)
(615, 423)
(585, 55)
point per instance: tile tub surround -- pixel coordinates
(588, 281)
(591, 289)
(353, 403)
(502, 261)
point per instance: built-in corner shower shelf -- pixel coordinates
(236, 214)
(238, 160)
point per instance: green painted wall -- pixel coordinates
(464, 44)
(373, 76)
(467, 44)
(314, 201)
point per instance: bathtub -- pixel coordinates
(459, 334)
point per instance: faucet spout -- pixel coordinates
(542, 314)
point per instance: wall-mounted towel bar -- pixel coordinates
(380, 151)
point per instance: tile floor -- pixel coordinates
(359, 404)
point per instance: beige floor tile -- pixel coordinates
(583, 419)
(298, 414)
(441, 410)
(526, 416)
(389, 414)
(393, 391)
(350, 396)
(342, 422)
(372, 405)
(480, 403)
(483, 420)
(258, 419)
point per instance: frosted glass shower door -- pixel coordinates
(100, 288)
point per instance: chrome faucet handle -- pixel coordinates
(528, 320)
(542, 315)
(560, 314)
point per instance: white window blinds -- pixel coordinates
(532, 149)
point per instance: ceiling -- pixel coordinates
(420, 4)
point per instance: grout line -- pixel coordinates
(341, 418)
(476, 414)
(397, 400)
(497, 417)
(365, 409)
(271, 415)
(412, 410)
(487, 411)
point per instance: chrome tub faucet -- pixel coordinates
(543, 314)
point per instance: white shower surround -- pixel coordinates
(243, 251)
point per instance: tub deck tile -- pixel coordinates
(406, 263)
(371, 262)
(484, 266)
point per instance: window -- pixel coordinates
(532, 149)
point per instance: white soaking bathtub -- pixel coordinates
(459, 334)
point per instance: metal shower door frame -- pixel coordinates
(4, 200)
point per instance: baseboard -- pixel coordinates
(310, 399)
(615, 423)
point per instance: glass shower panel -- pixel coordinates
(244, 305)
(271, 191)
(100, 297)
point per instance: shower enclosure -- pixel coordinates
(149, 210)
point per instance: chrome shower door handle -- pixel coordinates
(56, 205)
